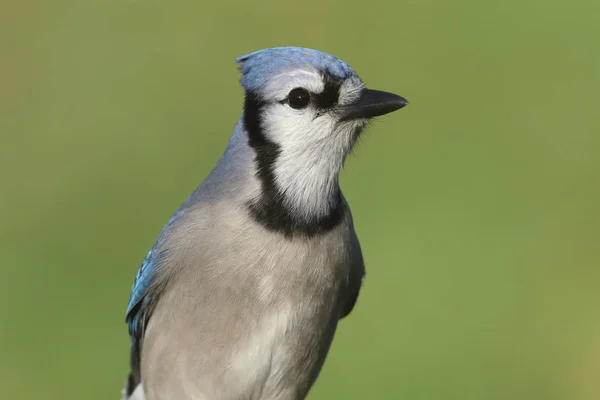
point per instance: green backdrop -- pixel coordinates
(477, 205)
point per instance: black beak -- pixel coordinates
(372, 103)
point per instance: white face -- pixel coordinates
(309, 128)
(313, 142)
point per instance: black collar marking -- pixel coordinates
(269, 209)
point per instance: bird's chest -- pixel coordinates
(285, 347)
(298, 304)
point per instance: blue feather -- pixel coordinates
(141, 299)
(139, 292)
(258, 67)
(144, 295)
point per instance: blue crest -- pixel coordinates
(258, 67)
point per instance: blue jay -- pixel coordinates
(241, 294)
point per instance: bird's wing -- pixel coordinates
(145, 292)
(353, 291)
(357, 275)
(144, 295)
(141, 294)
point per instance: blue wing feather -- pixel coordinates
(145, 279)
(144, 294)
(142, 281)
(139, 291)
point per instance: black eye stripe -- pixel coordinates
(331, 93)
(328, 98)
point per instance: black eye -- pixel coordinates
(298, 98)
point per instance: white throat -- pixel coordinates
(308, 182)
(306, 171)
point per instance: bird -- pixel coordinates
(241, 294)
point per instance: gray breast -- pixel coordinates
(253, 312)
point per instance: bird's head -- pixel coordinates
(297, 98)
(303, 112)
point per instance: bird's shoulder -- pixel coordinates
(147, 281)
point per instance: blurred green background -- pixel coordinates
(477, 205)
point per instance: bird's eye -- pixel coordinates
(298, 98)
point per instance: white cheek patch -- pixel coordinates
(291, 128)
